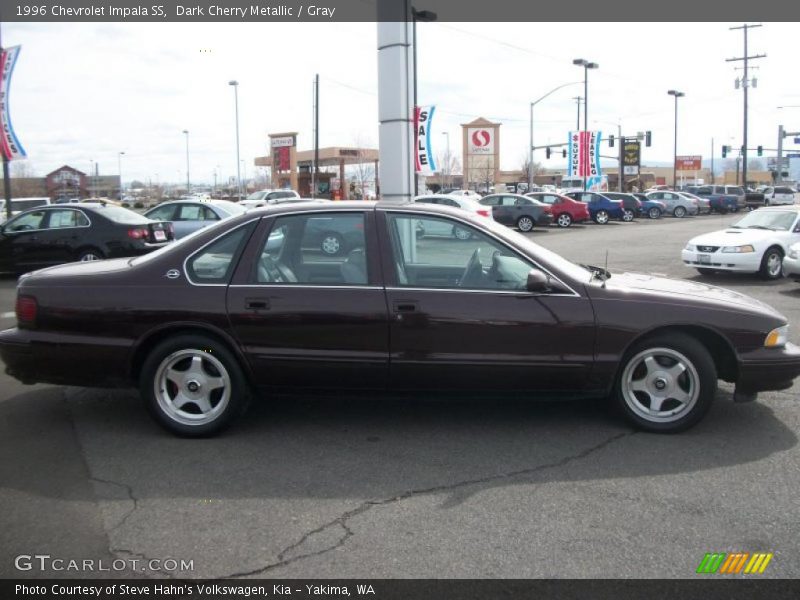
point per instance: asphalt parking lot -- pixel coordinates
(373, 488)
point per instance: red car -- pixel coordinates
(566, 211)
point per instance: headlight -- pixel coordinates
(690, 247)
(777, 337)
(738, 249)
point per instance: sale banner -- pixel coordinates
(423, 157)
(9, 144)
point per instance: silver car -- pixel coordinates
(677, 205)
(703, 204)
(188, 216)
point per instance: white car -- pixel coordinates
(779, 195)
(755, 244)
(466, 194)
(791, 262)
(466, 204)
(265, 197)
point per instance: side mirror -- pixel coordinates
(537, 281)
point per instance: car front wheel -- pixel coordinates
(601, 217)
(564, 220)
(772, 264)
(666, 383)
(90, 255)
(193, 385)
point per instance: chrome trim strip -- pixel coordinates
(306, 286)
(474, 291)
(51, 207)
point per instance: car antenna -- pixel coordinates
(605, 271)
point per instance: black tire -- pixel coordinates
(628, 215)
(564, 220)
(679, 212)
(654, 213)
(227, 407)
(89, 254)
(601, 217)
(768, 269)
(706, 271)
(699, 376)
(525, 223)
(332, 244)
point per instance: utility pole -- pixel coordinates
(578, 100)
(315, 168)
(713, 178)
(745, 85)
(6, 174)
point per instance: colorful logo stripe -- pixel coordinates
(735, 562)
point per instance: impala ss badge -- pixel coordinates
(172, 274)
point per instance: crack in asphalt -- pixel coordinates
(283, 558)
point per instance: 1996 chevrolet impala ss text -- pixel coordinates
(254, 304)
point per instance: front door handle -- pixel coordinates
(257, 303)
(405, 306)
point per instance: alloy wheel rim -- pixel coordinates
(660, 385)
(774, 264)
(525, 224)
(564, 220)
(461, 234)
(628, 216)
(192, 387)
(89, 257)
(680, 211)
(653, 213)
(330, 245)
(602, 217)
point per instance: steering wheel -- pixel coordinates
(473, 270)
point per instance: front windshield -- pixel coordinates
(768, 219)
(232, 208)
(256, 196)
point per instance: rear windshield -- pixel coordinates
(121, 215)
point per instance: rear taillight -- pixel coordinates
(26, 309)
(137, 233)
(483, 212)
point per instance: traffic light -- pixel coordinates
(725, 151)
(760, 150)
(547, 152)
(648, 138)
(611, 141)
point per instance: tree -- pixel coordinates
(449, 164)
(755, 164)
(525, 167)
(24, 182)
(481, 172)
(363, 171)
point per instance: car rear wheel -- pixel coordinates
(772, 264)
(666, 383)
(627, 216)
(654, 213)
(564, 220)
(524, 223)
(193, 385)
(332, 244)
(601, 217)
(90, 255)
(679, 212)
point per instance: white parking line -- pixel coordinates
(7, 315)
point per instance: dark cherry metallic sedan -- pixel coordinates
(251, 305)
(51, 235)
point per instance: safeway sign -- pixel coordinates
(480, 140)
(688, 163)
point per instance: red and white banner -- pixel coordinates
(423, 157)
(9, 144)
(688, 163)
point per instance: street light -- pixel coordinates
(448, 159)
(119, 171)
(582, 62)
(425, 16)
(188, 185)
(235, 85)
(677, 95)
(530, 151)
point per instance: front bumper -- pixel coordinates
(768, 369)
(722, 261)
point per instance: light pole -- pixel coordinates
(235, 85)
(677, 95)
(119, 171)
(530, 151)
(93, 189)
(448, 160)
(188, 185)
(426, 16)
(582, 62)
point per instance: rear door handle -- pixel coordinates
(403, 307)
(257, 303)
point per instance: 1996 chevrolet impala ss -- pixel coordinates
(253, 304)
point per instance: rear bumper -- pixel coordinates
(64, 359)
(768, 369)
